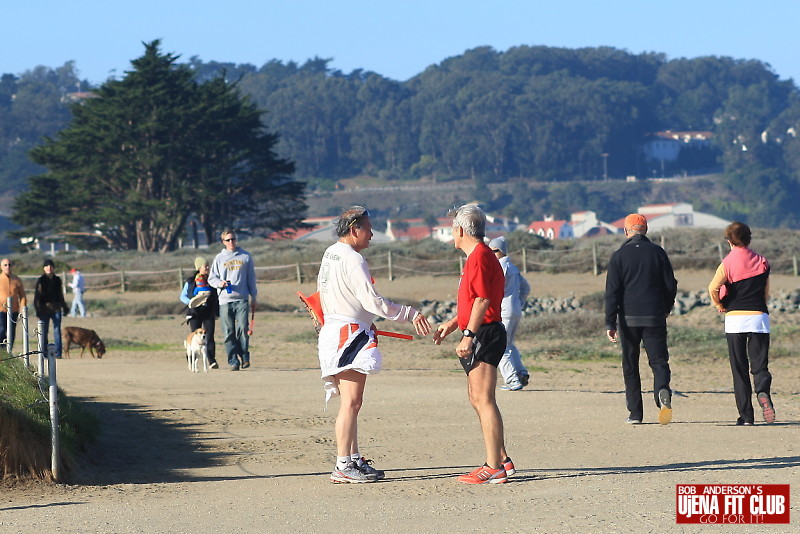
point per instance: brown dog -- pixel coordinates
(83, 337)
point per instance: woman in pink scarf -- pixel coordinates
(740, 290)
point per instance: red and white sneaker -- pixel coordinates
(485, 475)
(508, 465)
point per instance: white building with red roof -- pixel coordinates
(550, 228)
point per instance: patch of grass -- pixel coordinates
(308, 336)
(592, 351)
(25, 424)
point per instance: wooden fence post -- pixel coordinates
(122, 280)
(524, 260)
(719, 248)
(389, 264)
(460, 265)
(595, 267)
(180, 277)
(299, 274)
(794, 264)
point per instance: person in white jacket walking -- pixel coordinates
(78, 286)
(516, 291)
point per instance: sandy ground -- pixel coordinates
(251, 451)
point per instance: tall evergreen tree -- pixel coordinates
(150, 150)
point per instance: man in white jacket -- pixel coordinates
(348, 348)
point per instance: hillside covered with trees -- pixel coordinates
(529, 114)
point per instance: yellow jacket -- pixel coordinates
(11, 286)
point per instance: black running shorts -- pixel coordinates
(490, 343)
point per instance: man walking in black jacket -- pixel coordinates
(49, 303)
(640, 293)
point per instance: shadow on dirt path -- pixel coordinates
(135, 446)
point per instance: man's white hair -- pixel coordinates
(471, 219)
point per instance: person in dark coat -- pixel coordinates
(203, 315)
(640, 293)
(48, 300)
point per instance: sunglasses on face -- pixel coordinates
(229, 239)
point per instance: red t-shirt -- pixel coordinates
(482, 277)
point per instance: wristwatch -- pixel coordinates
(468, 333)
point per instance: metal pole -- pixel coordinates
(42, 348)
(54, 438)
(9, 325)
(26, 343)
(595, 268)
(524, 260)
(389, 263)
(794, 264)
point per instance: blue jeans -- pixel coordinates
(3, 333)
(77, 304)
(56, 318)
(233, 319)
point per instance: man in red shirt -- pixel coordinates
(483, 341)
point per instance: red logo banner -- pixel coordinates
(732, 503)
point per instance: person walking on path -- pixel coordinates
(234, 273)
(48, 299)
(483, 339)
(78, 287)
(10, 286)
(203, 315)
(740, 290)
(515, 293)
(348, 347)
(640, 293)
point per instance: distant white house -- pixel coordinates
(667, 145)
(496, 225)
(550, 228)
(675, 215)
(586, 224)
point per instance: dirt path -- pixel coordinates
(251, 451)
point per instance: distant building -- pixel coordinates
(412, 229)
(675, 215)
(586, 224)
(79, 96)
(496, 226)
(319, 229)
(551, 229)
(667, 145)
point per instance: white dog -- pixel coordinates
(196, 349)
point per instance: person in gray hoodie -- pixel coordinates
(234, 274)
(515, 293)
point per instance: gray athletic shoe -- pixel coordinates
(632, 421)
(350, 474)
(370, 471)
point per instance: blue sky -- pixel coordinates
(397, 39)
